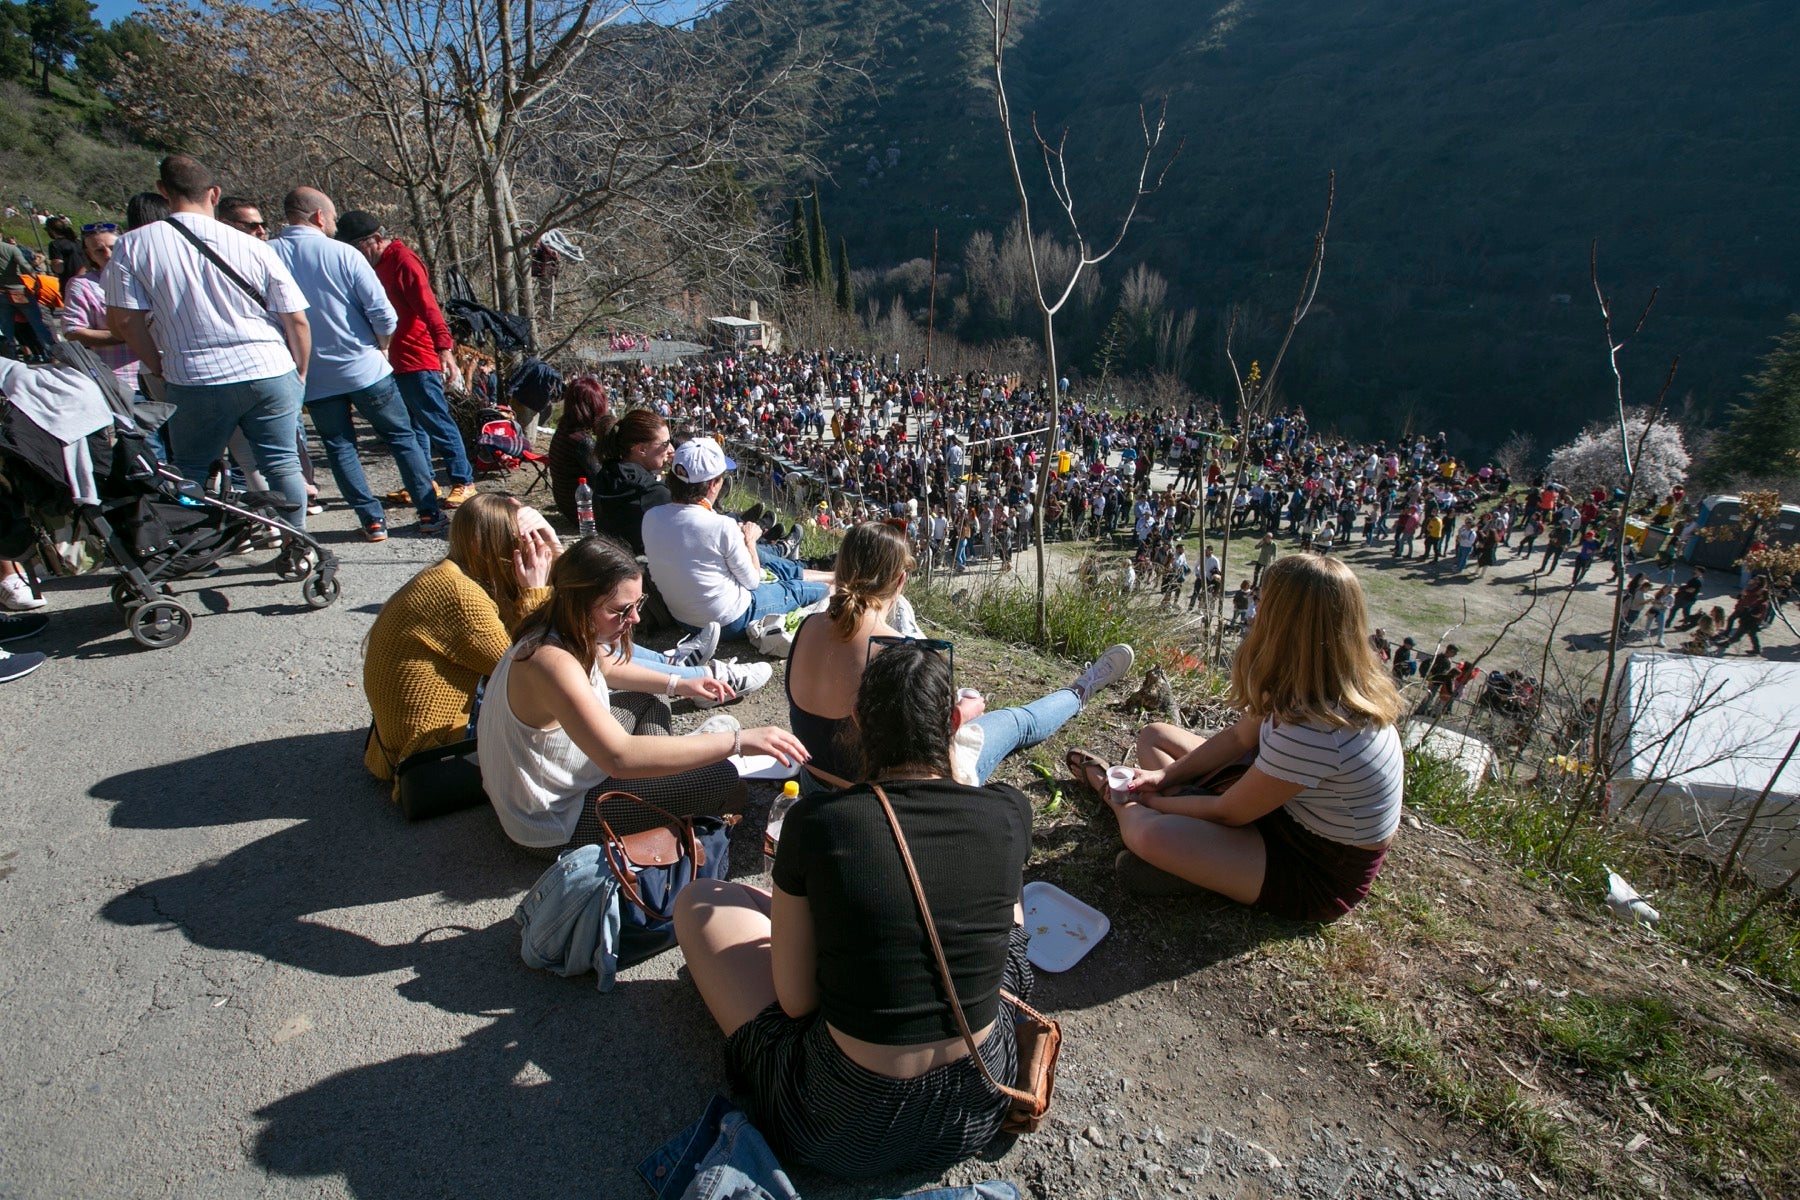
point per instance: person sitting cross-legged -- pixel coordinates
(1305, 830)
(707, 565)
(838, 1033)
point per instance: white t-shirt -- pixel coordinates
(1351, 779)
(700, 563)
(536, 778)
(208, 328)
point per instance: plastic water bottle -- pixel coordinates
(778, 811)
(584, 508)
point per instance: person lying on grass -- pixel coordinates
(1304, 831)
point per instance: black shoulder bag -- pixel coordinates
(212, 256)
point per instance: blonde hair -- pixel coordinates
(483, 535)
(870, 564)
(1307, 658)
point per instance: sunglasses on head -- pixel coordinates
(942, 647)
(101, 227)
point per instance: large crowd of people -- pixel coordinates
(513, 659)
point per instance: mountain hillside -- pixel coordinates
(1479, 147)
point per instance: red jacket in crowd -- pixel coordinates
(422, 332)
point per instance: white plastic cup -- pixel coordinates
(1118, 782)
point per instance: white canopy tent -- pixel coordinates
(1698, 739)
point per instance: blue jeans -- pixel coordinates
(1462, 556)
(381, 406)
(267, 410)
(435, 432)
(1007, 729)
(962, 554)
(788, 592)
(657, 661)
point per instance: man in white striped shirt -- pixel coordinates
(232, 350)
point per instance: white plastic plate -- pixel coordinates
(1062, 929)
(763, 766)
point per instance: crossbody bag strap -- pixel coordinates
(826, 777)
(212, 256)
(937, 950)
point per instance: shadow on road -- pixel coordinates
(576, 1085)
(348, 848)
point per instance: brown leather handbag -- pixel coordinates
(1039, 1038)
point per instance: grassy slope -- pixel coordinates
(1479, 148)
(61, 153)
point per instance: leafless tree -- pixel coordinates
(1256, 393)
(1050, 296)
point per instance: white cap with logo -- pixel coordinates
(700, 460)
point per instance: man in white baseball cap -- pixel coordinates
(707, 565)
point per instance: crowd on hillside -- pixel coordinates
(507, 674)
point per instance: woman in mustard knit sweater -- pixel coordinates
(448, 627)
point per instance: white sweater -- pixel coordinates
(700, 562)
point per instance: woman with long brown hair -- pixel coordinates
(1305, 830)
(831, 650)
(633, 457)
(575, 446)
(567, 713)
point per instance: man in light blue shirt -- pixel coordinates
(351, 323)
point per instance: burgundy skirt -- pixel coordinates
(1310, 878)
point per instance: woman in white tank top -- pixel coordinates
(548, 737)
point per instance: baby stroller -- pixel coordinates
(107, 493)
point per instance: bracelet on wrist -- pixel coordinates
(674, 682)
(737, 743)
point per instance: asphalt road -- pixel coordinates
(232, 969)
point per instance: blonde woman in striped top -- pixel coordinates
(1306, 828)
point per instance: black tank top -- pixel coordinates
(830, 740)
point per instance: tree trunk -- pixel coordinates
(1043, 483)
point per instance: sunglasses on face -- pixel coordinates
(100, 227)
(627, 613)
(938, 644)
(247, 226)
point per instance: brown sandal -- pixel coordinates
(1080, 763)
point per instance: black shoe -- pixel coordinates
(17, 666)
(752, 515)
(22, 626)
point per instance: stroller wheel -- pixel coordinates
(294, 565)
(320, 591)
(160, 624)
(124, 596)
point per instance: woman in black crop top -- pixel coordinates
(825, 669)
(837, 1029)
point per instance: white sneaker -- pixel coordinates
(15, 594)
(696, 650)
(742, 678)
(1107, 670)
(717, 723)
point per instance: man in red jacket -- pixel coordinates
(421, 349)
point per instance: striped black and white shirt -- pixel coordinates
(1351, 779)
(208, 328)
